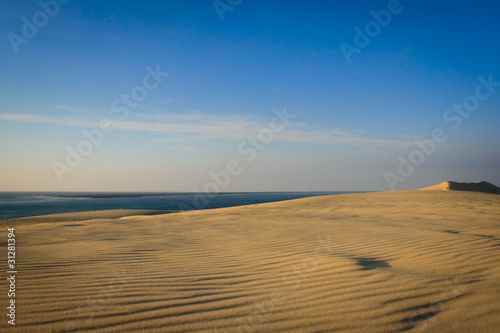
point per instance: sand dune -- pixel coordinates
(85, 216)
(481, 186)
(419, 261)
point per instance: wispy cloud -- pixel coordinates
(198, 126)
(71, 109)
(29, 118)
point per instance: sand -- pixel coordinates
(84, 216)
(480, 186)
(417, 261)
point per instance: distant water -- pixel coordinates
(23, 204)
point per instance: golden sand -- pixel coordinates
(75, 217)
(420, 261)
(480, 186)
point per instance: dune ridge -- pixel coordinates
(82, 216)
(481, 186)
(417, 261)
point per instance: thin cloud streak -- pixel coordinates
(29, 118)
(217, 128)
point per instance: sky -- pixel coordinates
(239, 95)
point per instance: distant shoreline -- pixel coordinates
(101, 196)
(25, 204)
(158, 194)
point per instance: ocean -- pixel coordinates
(23, 204)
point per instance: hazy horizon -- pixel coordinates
(248, 96)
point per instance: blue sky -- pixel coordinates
(353, 120)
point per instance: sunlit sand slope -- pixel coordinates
(74, 217)
(481, 186)
(421, 261)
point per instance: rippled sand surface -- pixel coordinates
(419, 261)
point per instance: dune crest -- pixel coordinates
(481, 186)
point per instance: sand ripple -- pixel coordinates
(373, 262)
